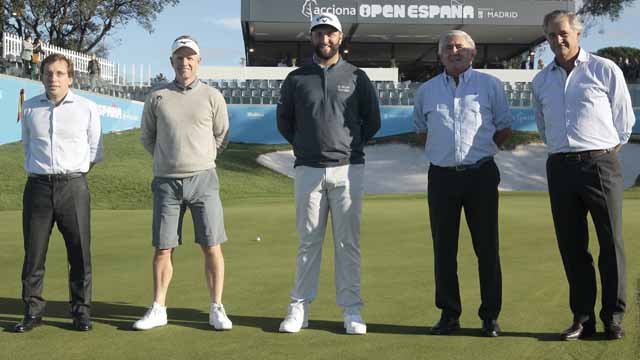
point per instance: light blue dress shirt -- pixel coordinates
(587, 109)
(60, 139)
(461, 120)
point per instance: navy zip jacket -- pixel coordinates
(328, 114)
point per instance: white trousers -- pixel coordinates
(320, 191)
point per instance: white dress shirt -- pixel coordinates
(587, 109)
(60, 139)
(461, 120)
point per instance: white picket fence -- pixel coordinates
(115, 74)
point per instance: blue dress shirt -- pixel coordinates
(461, 120)
(587, 109)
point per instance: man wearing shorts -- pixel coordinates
(184, 126)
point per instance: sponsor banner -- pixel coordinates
(489, 12)
(115, 114)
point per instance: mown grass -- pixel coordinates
(397, 286)
(122, 180)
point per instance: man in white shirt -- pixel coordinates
(584, 115)
(61, 137)
(467, 117)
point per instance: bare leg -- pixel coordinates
(214, 271)
(162, 273)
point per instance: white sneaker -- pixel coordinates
(296, 319)
(155, 316)
(218, 318)
(354, 324)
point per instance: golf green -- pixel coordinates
(397, 286)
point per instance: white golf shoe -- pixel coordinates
(354, 324)
(297, 318)
(218, 318)
(155, 316)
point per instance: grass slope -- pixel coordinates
(397, 287)
(122, 180)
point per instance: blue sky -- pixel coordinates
(216, 25)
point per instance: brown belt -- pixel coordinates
(581, 155)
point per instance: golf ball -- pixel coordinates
(258, 238)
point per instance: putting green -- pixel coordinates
(397, 287)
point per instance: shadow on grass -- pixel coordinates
(123, 315)
(119, 315)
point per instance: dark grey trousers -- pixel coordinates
(66, 203)
(475, 190)
(590, 186)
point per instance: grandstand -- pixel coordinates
(394, 41)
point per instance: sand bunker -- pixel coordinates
(399, 168)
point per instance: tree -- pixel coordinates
(599, 8)
(78, 24)
(619, 52)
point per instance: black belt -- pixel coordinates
(476, 165)
(581, 155)
(56, 177)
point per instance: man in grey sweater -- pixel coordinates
(184, 127)
(327, 111)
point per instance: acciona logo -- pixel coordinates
(456, 10)
(311, 8)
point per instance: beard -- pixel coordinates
(332, 52)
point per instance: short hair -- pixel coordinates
(451, 33)
(57, 57)
(573, 18)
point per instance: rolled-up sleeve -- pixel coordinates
(621, 107)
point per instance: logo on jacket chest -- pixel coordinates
(345, 88)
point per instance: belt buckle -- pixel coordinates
(573, 157)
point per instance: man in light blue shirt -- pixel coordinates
(584, 115)
(467, 118)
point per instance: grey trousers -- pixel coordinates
(578, 187)
(319, 192)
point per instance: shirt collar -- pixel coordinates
(583, 56)
(463, 78)
(69, 98)
(315, 61)
(191, 86)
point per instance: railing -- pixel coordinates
(12, 45)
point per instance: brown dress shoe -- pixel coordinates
(579, 330)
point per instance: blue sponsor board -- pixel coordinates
(248, 123)
(257, 123)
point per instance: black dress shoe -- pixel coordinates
(579, 330)
(27, 324)
(445, 326)
(82, 323)
(490, 328)
(613, 331)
